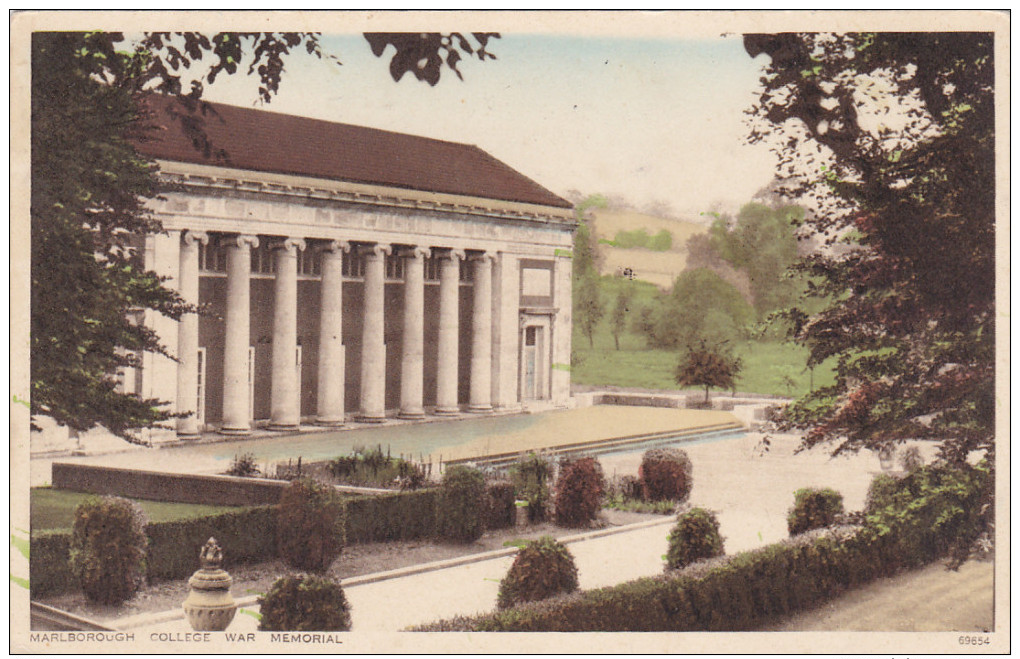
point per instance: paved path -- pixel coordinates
(396, 604)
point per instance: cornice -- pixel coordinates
(207, 177)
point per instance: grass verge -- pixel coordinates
(54, 509)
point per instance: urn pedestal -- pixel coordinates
(209, 606)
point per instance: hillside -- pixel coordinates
(659, 268)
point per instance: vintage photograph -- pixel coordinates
(373, 333)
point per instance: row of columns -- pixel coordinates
(286, 411)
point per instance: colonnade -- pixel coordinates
(285, 403)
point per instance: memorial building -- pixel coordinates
(350, 273)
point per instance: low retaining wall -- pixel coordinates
(167, 486)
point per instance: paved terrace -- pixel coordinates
(462, 439)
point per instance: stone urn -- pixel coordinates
(209, 606)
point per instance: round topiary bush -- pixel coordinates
(695, 537)
(881, 492)
(666, 474)
(813, 509)
(579, 491)
(305, 603)
(462, 503)
(541, 569)
(108, 546)
(310, 525)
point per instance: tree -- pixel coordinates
(586, 255)
(618, 319)
(761, 243)
(588, 305)
(701, 305)
(90, 186)
(707, 366)
(891, 137)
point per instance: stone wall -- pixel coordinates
(167, 486)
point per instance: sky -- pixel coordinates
(645, 119)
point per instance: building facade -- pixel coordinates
(346, 273)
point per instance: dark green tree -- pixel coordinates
(588, 305)
(708, 366)
(761, 242)
(891, 136)
(621, 310)
(586, 256)
(90, 186)
(701, 305)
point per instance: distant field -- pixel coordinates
(54, 509)
(659, 268)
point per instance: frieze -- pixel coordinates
(313, 219)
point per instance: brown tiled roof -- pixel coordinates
(287, 144)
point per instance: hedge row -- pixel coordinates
(745, 591)
(248, 535)
(734, 593)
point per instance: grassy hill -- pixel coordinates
(659, 268)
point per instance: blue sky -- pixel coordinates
(648, 119)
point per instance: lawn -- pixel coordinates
(54, 509)
(775, 368)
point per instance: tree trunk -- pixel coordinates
(706, 395)
(616, 338)
(591, 340)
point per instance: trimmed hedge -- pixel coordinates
(745, 591)
(386, 517)
(247, 535)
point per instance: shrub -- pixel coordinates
(579, 492)
(935, 510)
(530, 477)
(666, 474)
(244, 465)
(881, 492)
(108, 546)
(500, 511)
(461, 503)
(310, 525)
(305, 603)
(541, 569)
(910, 459)
(695, 537)
(813, 509)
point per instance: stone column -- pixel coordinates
(330, 408)
(449, 327)
(236, 411)
(373, 343)
(481, 336)
(187, 336)
(286, 408)
(412, 364)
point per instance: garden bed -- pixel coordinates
(356, 560)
